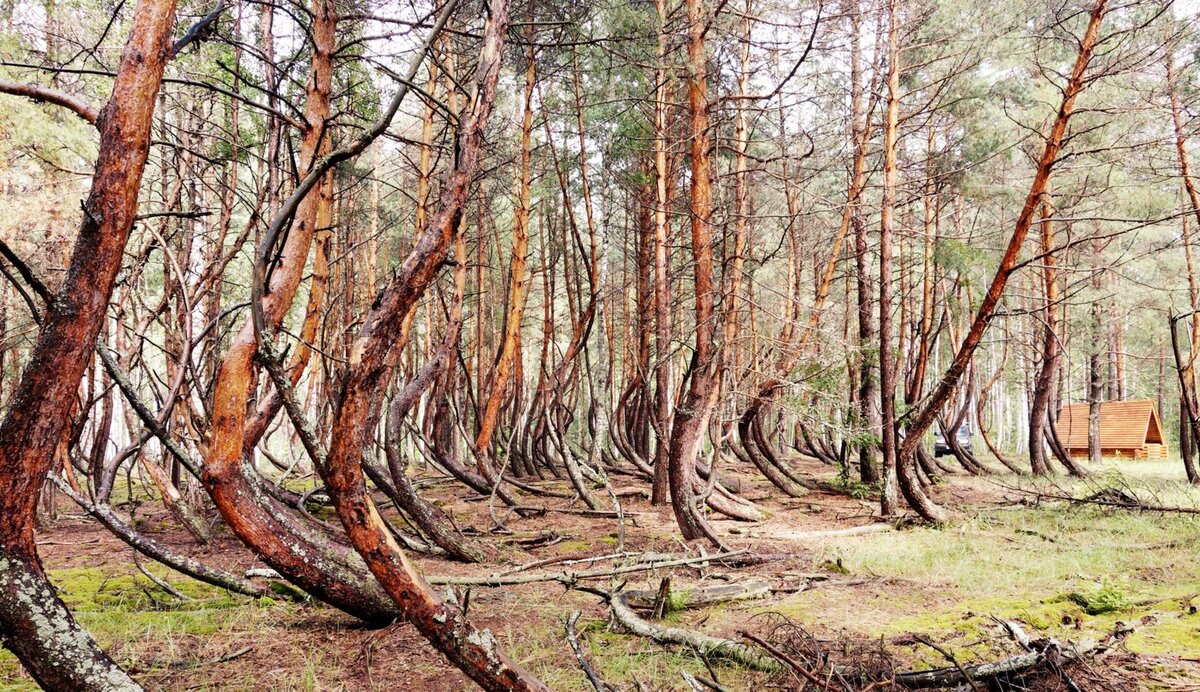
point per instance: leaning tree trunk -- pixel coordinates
(302, 555)
(430, 518)
(924, 417)
(358, 408)
(1187, 442)
(692, 416)
(1039, 411)
(34, 622)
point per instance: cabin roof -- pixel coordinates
(1123, 425)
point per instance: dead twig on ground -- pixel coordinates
(573, 639)
(791, 662)
(705, 645)
(569, 579)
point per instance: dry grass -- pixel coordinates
(1065, 570)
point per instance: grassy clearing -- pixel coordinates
(1066, 570)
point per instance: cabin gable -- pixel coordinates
(1127, 428)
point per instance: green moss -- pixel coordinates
(974, 617)
(286, 590)
(122, 588)
(1176, 636)
(127, 613)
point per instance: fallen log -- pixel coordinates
(864, 530)
(571, 578)
(1038, 652)
(705, 645)
(952, 676)
(694, 597)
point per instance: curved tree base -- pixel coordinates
(37, 627)
(309, 560)
(910, 487)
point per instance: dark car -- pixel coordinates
(963, 437)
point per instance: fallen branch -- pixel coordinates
(222, 659)
(601, 513)
(737, 558)
(1042, 651)
(1107, 497)
(565, 560)
(970, 679)
(573, 640)
(699, 684)
(703, 644)
(835, 533)
(570, 578)
(791, 662)
(681, 599)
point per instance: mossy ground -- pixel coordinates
(1068, 571)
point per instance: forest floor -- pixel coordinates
(1071, 571)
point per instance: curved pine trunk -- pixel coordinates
(34, 622)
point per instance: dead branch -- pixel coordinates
(573, 639)
(569, 579)
(693, 597)
(705, 645)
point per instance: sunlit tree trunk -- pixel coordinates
(664, 388)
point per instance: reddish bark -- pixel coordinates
(923, 418)
(518, 289)
(359, 407)
(301, 555)
(692, 416)
(34, 623)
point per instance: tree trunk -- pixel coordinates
(359, 405)
(887, 372)
(34, 622)
(664, 389)
(692, 416)
(303, 556)
(922, 419)
(518, 284)
(1188, 443)
(1039, 404)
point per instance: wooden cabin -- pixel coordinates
(1130, 429)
